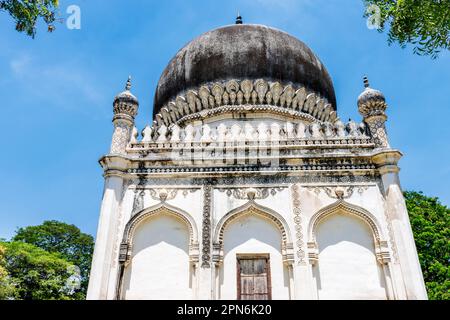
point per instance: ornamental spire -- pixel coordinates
(238, 18)
(366, 82)
(128, 85)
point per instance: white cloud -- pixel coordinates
(57, 82)
(20, 64)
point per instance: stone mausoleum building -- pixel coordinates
(248, 185)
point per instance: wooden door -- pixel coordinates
(253, 278)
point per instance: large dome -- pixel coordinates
(243, 51)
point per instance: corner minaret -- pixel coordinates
(125, 110)
(372, 106)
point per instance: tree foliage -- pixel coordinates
(27, 12)
(35, 273)
(67, 240)
(430, 221)
(7, 288)
(423, 23)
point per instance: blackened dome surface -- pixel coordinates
(243, 51)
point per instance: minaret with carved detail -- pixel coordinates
(125, 110)
(372, 106)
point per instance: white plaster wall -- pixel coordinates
(159, 268)
(222, 204)
(347, 266)
(369, 198)
(192, 203)
(252, 234)
(280, 203)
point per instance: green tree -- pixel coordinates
(430, 222)
(67, 240)
(27, 12)
(423, 23)
(36, 273)
(7, 288)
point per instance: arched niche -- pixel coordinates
(247, 232)
(158, 255)
(349, 256)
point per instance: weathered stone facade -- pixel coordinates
(238, 169)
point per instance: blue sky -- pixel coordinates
(57, 90)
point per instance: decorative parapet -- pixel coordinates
(245, 93)
(315, 133)
(265, 144)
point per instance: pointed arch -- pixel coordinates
(162, 208)
(348, 208)
(252, 207)
(380, 247)
(272, 236)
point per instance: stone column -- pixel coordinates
(408, 260)
(98, 279)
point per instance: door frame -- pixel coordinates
(253, 256)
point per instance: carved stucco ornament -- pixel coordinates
(206, 227)
(167, 194)
(298, 225)
(252, 193)
(247, 93)
(338, 192)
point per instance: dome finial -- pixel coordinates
(128, 85)
(366, 82)
(238, 18)
(126, 95)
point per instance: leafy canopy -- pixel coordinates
(27, 12)
(7, 288)
(423, 23)
(430, 222)
(66, 240)
(35, 273)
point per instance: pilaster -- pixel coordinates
(408, 260)
(100, 270)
